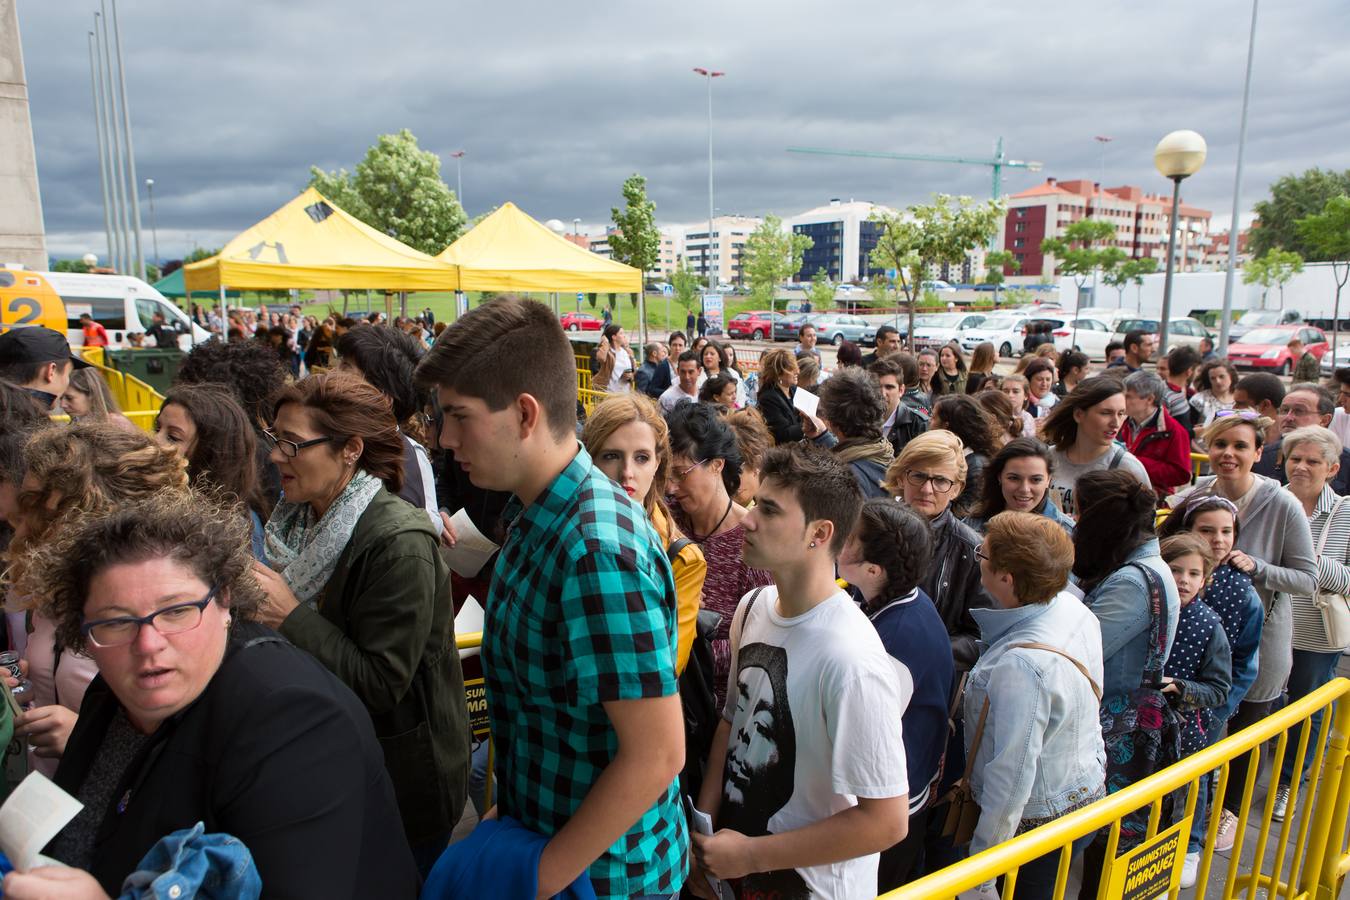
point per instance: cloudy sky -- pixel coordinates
(556, 103)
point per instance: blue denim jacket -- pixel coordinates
(190, 863)
(1120, 603)
(1041, 753)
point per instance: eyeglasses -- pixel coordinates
(1295, 411)
(980, 554)
(123, 630)
(677, 477)
(941, 483)
(1248, 414)
(290, 449)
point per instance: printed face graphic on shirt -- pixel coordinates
(762, 756)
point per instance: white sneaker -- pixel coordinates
(1281, 803)
(1190, 867)
(1227, 833)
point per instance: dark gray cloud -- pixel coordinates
(557, 103)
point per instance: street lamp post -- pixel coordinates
(1103, 140)
(1177, 156)
(1234, 227)
(154, 229)
(710, 75)
(459, 178)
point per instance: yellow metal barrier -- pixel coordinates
(589, 398)
(584, 379)
(138, 401)
(1315, 817)
(1198, 463)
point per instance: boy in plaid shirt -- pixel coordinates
(579, 637)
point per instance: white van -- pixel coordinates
(121, 304)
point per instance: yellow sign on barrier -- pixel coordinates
(1153, 869)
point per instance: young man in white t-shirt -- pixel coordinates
(810, 749)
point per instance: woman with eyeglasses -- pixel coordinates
(705, 474)
(199, 714)
(360, 583)
(1275, 548)
(928, 475)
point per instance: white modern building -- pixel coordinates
(843, 238)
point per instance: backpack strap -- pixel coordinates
(676, 548)
(738, 621)
(1034, 645)
(1117, 454)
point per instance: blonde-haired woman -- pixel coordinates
(628, 440)
(928, 475)
(87, 399)
(778, 371)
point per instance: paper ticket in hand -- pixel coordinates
(31, 817)
(806, 401)
(471, 550)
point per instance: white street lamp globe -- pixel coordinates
(1180, 154)
(556, 226)
(90, 260)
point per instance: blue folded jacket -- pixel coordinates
(499, 859)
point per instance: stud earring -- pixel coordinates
(813, 545)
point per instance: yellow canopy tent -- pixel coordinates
(509, 251)
(311, 243)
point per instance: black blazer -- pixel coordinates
(276, 752)
(780, 415)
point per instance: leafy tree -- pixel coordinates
(1129, 272)
(397, 190)
(1077, 254)
(944, 231)
(995, 262)
(1292, 198)
(771, 255)
(70, 265)
(878, 291)
(1272, 269)
(636, 240)
(821, 291)
(687, 285)
(1327, 235)
(200, 253)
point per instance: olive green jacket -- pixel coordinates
(385, 626)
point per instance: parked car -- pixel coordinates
(848, 290)
(579, 321)
(936, 329)
(835, 327)
(1006, 330)
(785, 328)
(756, 325)
(1342, 356)
(937, 287)
(1181, 330)
(1264, 348)
(1256, 318)
(1086, 334)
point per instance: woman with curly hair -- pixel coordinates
(73, 474)
(357, 579)
(851, 405)
(964, 417)
(201, 715)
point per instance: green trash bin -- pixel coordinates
(156, 368)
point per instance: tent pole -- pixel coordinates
(224, 313)
(192, 328)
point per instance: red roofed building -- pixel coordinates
(1140, 218)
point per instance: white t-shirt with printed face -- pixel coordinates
(815, 704)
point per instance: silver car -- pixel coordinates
(831, 328)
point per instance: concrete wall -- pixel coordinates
(22, 237)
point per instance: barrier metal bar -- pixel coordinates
(1319, 860)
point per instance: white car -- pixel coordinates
(937, 287)
(937, 329)
(1006, 330)
(1087, 334)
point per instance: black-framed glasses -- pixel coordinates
(290, 449)
(941, 483)
(122, 630)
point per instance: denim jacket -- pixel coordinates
(1041, 753)
(1120, 603)
(191, 863)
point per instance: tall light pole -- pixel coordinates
(710, 75)
(121, 243)
(458, 156)
(1234, 228)
(1177, 156)
(1103, 140)
(154, 230)
(102, 150)
(133, 189)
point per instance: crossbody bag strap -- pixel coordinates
(1326, 529)
(975, 744)
(1079, 666)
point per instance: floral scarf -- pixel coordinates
(304, 550)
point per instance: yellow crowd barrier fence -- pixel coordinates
(1310, 867)
(138, 401)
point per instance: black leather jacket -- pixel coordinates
(954, 584)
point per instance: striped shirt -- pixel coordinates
(1333, 574)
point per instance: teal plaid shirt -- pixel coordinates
(581, 611)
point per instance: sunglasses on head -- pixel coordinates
(1248, 414)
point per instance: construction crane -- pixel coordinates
(998, 162)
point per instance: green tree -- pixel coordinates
(1327, 235)
(636, 240)
(821, 291)
(944, 231)
(1129, 272)
(397, 190)
(687, 285)
(995, 262)
(70, 265)
(772, 254)
(1077, 253)
(1273, 269)
(1292, 198)
(200, 253)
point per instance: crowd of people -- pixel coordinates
(726, 641)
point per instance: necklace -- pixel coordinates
(700, 539)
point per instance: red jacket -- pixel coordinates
(1164, 447)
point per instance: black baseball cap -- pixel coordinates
(35, 344)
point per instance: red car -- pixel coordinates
(753, 326)
(1266, 349)
(578, 321)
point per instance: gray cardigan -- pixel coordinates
(1275, 534)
